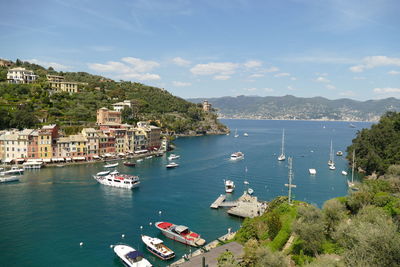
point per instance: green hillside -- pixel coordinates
(26, 105)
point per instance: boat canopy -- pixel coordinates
(134, 254)
(78, 158)
(155, 241)
(181, 228)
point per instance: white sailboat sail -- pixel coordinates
(282, 155)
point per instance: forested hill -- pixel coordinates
(26, 105)
(291, 107)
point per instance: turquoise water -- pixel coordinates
(44, 217)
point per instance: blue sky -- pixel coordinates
(212, 48)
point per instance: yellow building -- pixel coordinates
(45, 144)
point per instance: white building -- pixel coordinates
(121, 105)
(20, 75)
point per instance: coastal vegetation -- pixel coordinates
(28, 105)
(360, 229)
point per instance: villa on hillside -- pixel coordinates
(20, 75)
(58, 84)
(121, 105)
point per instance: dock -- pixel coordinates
(246, 206)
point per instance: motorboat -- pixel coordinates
(173, 156)
(9, 179)
(172, 165)
(103, 173)
(344, 173)
(339, 153)
(139, 160)
(250, 191)
(332, 167)
(246, 182)
(245, 134)
(282, 156)
(237, 156)
(156, 246)
(229, 186)
(312, 171)
(13, 171)
(180, 233)
(131, 257)
(129, 164)
(111, 165)
(116, 179)
(149, 157)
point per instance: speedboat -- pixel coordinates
(339, 153)
(237, 156)
(172, 165)
(180, 233)
(14, 170)
(112, 165)
(173, 156)
(312, 171)
(116, 179)
(229, 186)
(250, 191)
(131, 257)
(245, 134)
(102, 173)
(246, 182)
(139, 160)
(149, 157)
(344, 173)
(129, 164)
(9, 179)
(156, 246)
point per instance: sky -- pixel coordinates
(213, 48)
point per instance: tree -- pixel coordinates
(274, 224)
(310, 228)
(333, 212)
(227, 259)
(266, 257)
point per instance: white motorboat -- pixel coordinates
(332, 167)
(312, 171)
(229, 186)
(250, 191)
(282, 156)
(131, 257)
(116, 179)
(173, 156)
(245, 134)
(339, 153)
(149, 157)
(14, 170)
(156, 246)
(102, 173)
(9, 179)
(246, 182)
(172, 165)
(180, 233)
(344, 173)
(139, 160)
(237, 156)
(112, 165)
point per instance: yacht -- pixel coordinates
(229, 186)
(9, 179)
(245, 134)
(112, 165)
(344, 173)
(172, 165)
(173, 156)
(237, 156)
(14, 170)
(282, 156)
(131, 257)
(312, 171)
(116, 179)
(103, 173)
(129, 164)
(180, 233)
(156, 246)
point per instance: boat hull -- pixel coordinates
(105, 181)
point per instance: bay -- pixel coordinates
(45, 216)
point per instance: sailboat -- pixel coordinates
(352, 184)
(331, 163)
(236, 134)
(282, 156)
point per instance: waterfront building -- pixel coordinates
(129, 140)
(206, 106)
(14, 147)
(20, 75)
(164, 144)
(47, 141)
(33, 148)
(92, 137)
(108, 117)
(139, 140)
(63, 147)
(121, 105)
(103, 142)
(153, 134)
(78, 146)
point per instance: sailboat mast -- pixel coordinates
(283, 142)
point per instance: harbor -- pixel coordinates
(63, 207)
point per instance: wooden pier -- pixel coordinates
(216, 204)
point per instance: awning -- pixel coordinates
(34, 160)
(121, 154)
(107, 155)
(68, 159)
(8, 160)
(20, 160)
(57, 159)
(141, 151)
(46, 160)
(78, 158)
(96, 157)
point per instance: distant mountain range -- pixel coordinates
(290, 107)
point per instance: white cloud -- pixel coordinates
(282, 74)
(222, 77)
(386, 90)
(250, 89)
(290, 88)
(269, 90)
(252, 64)
(322, 59)
(394, 72)
(47, 64)
(271, 69)
(293, 78)
(375, 61)
(330, 87)
(223, 68)
(324, 74)
(129, 68)
(322, 80)
(181, 62)
(101, 48)
(181, 84)
(257, 75)
(347, 93)
(358, 78)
